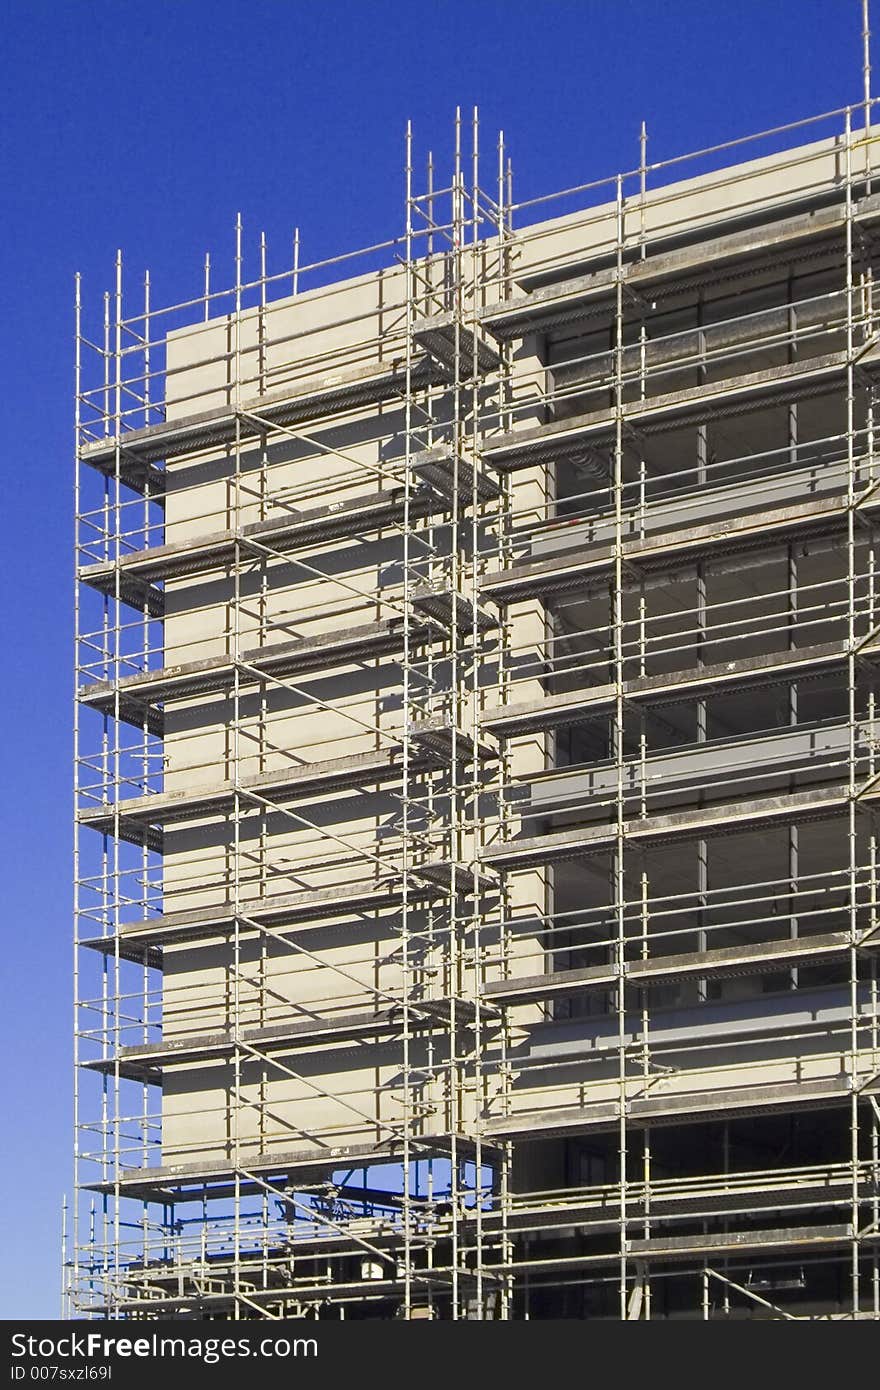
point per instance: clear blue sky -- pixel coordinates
(147, 126)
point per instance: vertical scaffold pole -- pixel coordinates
(852, 674)
(619, 886)
(405, 964)
(72, 1278)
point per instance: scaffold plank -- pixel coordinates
(200, 554)
(545, 444)
(751, 958)
(216, 674)
(331, 394)
(748, 673)
(721, 818)
(694, 1106)
(568, 299)
(580, 568)
(128, 817)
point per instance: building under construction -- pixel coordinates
(478, 757)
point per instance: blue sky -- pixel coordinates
(148, 127)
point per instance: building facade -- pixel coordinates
(477, 760)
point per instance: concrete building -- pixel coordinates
(477, 760)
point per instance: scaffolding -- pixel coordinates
(477, 758)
